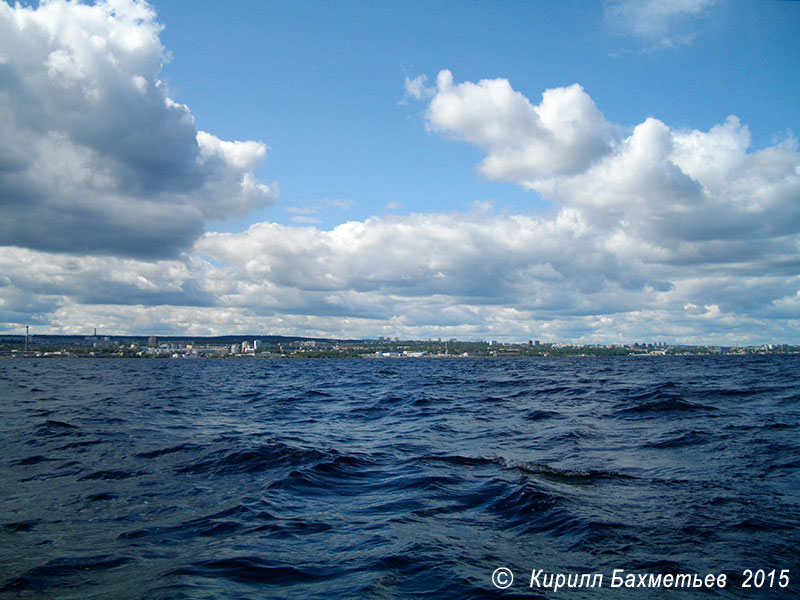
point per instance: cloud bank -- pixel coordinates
(95, 157)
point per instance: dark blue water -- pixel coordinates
(395, 478)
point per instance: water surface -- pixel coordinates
(407, 478)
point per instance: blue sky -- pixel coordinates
(321, 84)
(566, 171)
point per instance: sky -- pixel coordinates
(592, 172)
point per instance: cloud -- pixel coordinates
(102, 280)
(656, 233)
(665, 24)
(417, 88)
(692, 198)
(672, 197)
(470, 258)
(314, 211)
(565, 133)
(467, 275)
(95, 157)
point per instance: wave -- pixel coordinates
(254, 569)
(111, 474)
(53, 428)
(336, 473)
(252, 460)
(168, 450)
(541, 415)
(660, 405)
(222, 523)
(580, 476)
(62, 570)
(691, 438)
(573, 476)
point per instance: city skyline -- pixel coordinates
(601, 173)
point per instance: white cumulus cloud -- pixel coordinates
(95, 156)
(667, 196)
(565, 133)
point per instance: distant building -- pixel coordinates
(152, 342)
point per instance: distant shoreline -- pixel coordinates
(97, 346)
